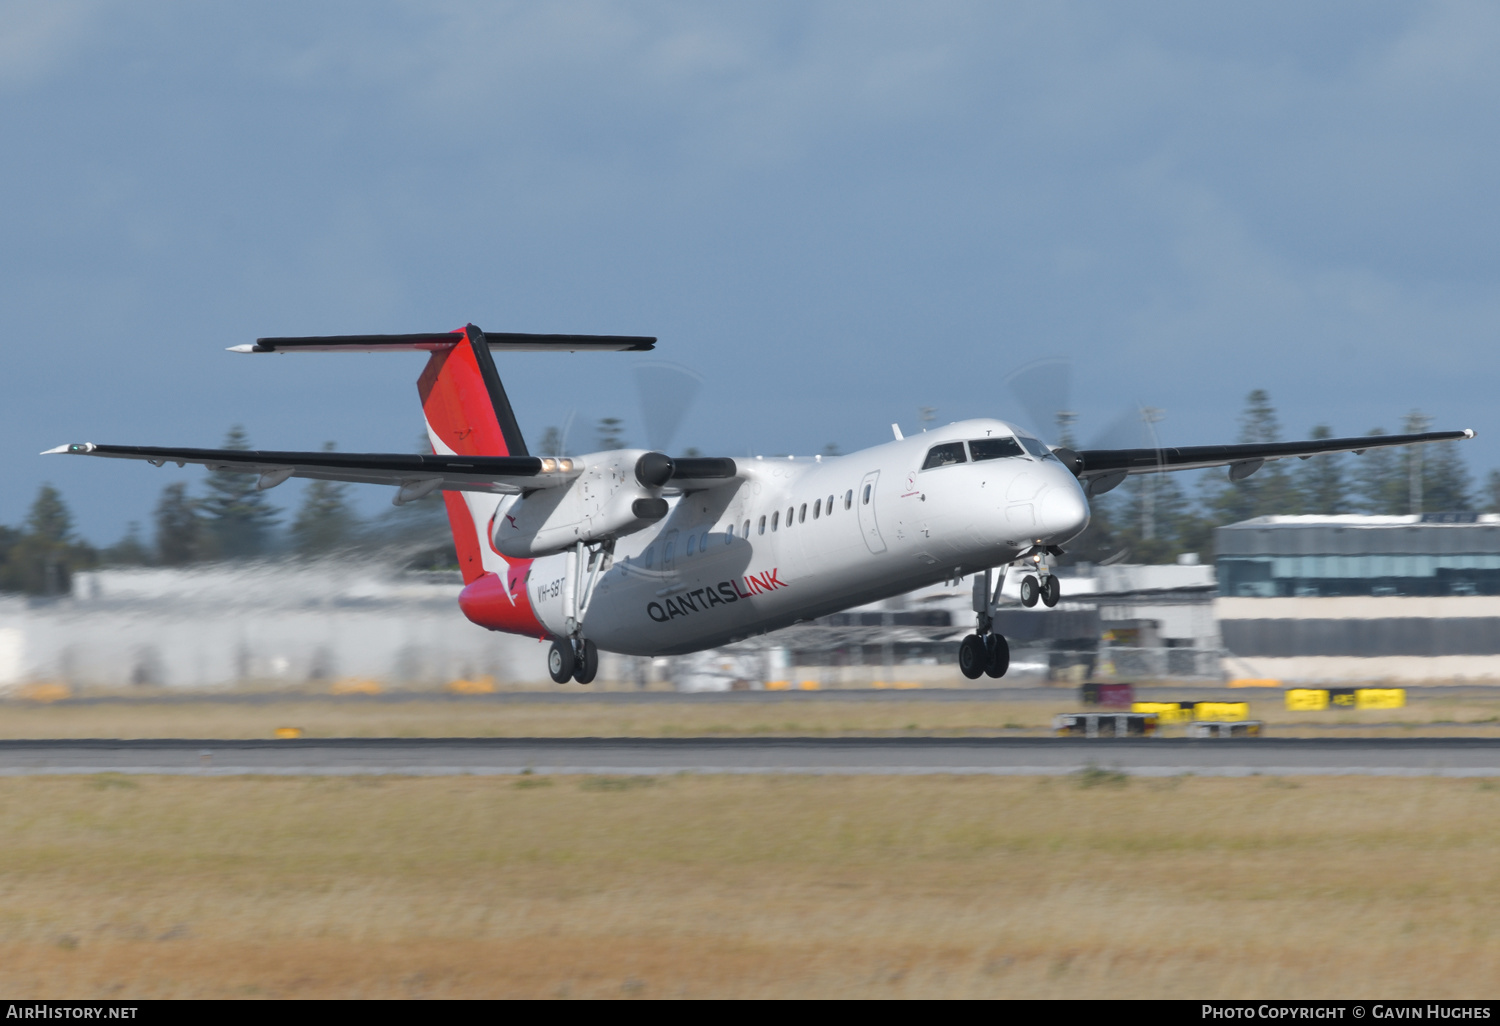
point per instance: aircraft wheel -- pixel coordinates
(1051, 591)
(588, 663)
(997, 651)
(1030, 591)
(972, 657)
(560, 662)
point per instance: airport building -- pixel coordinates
(1361, 598)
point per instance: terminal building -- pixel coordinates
(1407, 599)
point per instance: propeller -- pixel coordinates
(666, 392)
(1043, 390)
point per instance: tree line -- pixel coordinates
(230, 519)
(1152, 518)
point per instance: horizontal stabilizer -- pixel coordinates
(429, 342)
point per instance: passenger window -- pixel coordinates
(849, 499)
(650, 557)
(944, 455)
(994, 448)
(747, 530)
(789, 516)
(689, 550)
(774, 518)
(763, 523)
(802, 514)
(867, 495)
(817, 507)
(729, 534)
(829, 507)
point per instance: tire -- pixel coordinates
(1030, 591)
(1051, 591)
(972, 657)
(560, 662)
(588, 665)
(997, 649)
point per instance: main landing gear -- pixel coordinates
(981, 654)
(986, 652)
(573, 659)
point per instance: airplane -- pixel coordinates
(640, 553)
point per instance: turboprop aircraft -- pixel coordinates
(641, 553)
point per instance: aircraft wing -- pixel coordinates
(1243, 460)
(415, 474)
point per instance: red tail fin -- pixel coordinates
(468, 414)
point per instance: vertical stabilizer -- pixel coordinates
(469, 414)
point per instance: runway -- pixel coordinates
(1466, 757)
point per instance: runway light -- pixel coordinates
(288, 733)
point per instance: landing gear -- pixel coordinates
(985, 652)
(573, 660)
(561, 662)
(587, 664)
(1047, 589)
(973, 657)
(997, 655)
(576, 658)
(1030, 591)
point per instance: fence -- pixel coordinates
(1161, 663)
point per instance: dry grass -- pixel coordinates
(479, 717)
(735, 886)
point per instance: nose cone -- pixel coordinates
(1064, 510)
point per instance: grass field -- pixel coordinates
(479, 717)
(1091, 886)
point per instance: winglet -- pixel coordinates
(78, 447)
(896, 430)
(247, 348)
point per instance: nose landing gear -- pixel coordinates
(1043, 586)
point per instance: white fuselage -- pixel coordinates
(823, 535)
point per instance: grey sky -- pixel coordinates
(837, 213)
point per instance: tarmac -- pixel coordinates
(1033, 756)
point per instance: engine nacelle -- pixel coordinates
(616, 493)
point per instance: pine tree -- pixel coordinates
(551, 443)
(129, 550)
(1381, 481)
(43, 558)
(238, 516)
(324, 522)
(611, 433)
(1152, 515)
(180, 534)
(1491, 496)
(1321, 482)
(1447, 486)
(1268, 491)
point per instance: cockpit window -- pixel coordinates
(994, 448)
(1035, 447)
(942, 455)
